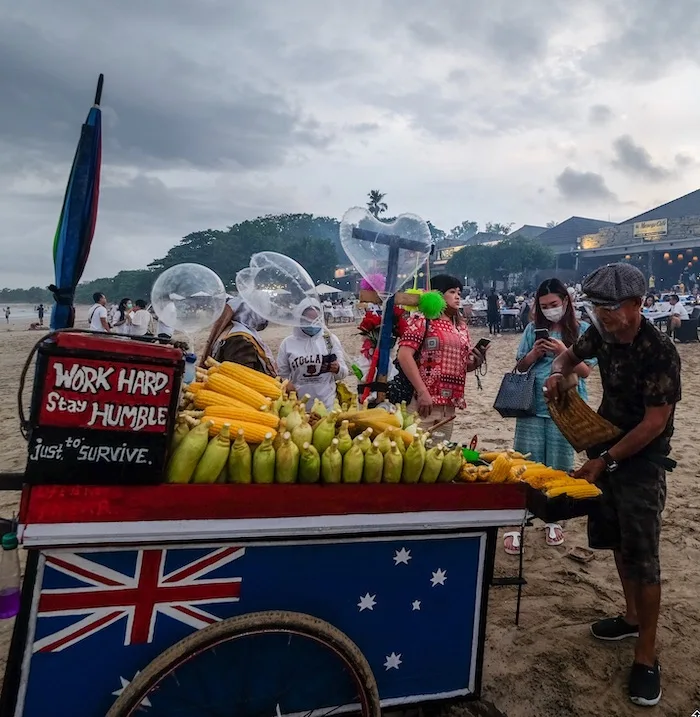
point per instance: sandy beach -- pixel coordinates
(549, 666)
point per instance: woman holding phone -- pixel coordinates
(554, 327)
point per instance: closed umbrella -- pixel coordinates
(76, 225)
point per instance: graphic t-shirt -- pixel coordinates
(443, 358)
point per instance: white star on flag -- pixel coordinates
(415, 605)
(367, 602)
(392, 661)
(439, 577)
(125, 683)
(402, 556)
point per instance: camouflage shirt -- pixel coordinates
(646, 372)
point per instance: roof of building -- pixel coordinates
(484, 238)
(686, 206)
(529, 231)
(567, 232)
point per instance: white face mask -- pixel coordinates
(554, 315)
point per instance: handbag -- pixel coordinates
(400, 388)
(516, 395)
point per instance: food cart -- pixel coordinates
(143, 597)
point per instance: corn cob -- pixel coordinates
(184, 459)
(332, 463)
(264, 461)
(309, 464)
(324, 433)
(303, 433)
(262, 383)
(287, 461)
(240, 460)
(254, 432)
(195, 386)
(433, 465)
(393, 465)
(319, 408)
(374, 465)
(235, 389)
(288, 404)
(241, 413)
(578, 491)
(344, 439)
(364, 440)
(353, 464)
(450, 466)
(371, 415)
(205, 397)
(277, 441)
(383, 442)
(500, 469)
(468, 473)
(182, 428)
(215, 457)
(293, 419)
(413, 463)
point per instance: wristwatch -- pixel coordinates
(611, 464)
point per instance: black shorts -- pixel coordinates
(628, 518)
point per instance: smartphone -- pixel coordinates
(482, 344)
(541, 334)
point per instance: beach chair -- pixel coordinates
(687, 332)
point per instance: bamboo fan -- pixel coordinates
(579, 423)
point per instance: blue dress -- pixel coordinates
(539, 434)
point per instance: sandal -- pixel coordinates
(514, 547)
(550, 534)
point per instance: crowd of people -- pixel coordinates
(640, 373)
(127, 318)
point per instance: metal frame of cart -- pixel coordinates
(444, 529)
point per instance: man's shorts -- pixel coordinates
(628, 518)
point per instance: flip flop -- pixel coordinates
(550, 534)
(515, 536)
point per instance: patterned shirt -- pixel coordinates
(443, 358)
(646, 372)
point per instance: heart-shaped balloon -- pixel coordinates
(280, 290)
(387, 254)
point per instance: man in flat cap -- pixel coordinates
(640, 371)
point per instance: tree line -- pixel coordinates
(313, 241)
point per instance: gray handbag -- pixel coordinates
(516, 396)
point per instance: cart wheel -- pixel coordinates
(265, 663)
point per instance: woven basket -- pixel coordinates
(580, 424)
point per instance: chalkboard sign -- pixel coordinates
(102, 410)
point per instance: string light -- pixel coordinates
(667, 255)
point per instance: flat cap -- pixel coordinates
(615, 282)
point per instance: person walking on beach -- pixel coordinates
(641, 374)
(97, 316)
(40, 313)
(8, 311)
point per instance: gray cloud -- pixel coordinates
(583, 186)
(600, 115)
(635, 160)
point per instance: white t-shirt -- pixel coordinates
(96, 314)
(680, 310)
(140, 321)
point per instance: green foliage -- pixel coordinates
(33, 295)
(465, 229)
(376, 204)
(496, 228)
(513, 255)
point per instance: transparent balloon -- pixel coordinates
(188, 297)
(281, 290)
(388, 255)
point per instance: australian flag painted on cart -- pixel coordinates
(411, 605)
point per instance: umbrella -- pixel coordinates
(76, 224)
(200, 294)
(327, 289)
(175, 297)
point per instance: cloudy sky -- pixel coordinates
(221, 110)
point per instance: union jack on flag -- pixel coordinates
(107, 595)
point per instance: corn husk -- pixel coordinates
(393, 465)
(240, 461)
(264, 462)
(309, 465)
(353, 464)
(215, 457)
(303, 433)
(185, 457)
(413, 463)
(582, 427)
(287, 461)
(433, 465)
(451, 465)
(332, 464)
(324, 433)
(374, 464)
(344, 438)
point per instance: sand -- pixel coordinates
(549, 666)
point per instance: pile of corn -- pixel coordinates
(512, 467)
(239, 426)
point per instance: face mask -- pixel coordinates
(554, 315)
(311, 330)
(129, 305)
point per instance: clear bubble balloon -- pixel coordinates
(188, 297)
(280, 289)
(371, 252)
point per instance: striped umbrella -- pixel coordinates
(76, 224)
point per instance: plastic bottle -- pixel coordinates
(190, 368)
(9, 577)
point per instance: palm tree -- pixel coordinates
(376, 203)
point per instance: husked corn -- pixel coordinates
(254, 432)
(235, 389)
(256, 380)
(243, 413)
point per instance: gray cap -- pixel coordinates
(615, 282)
